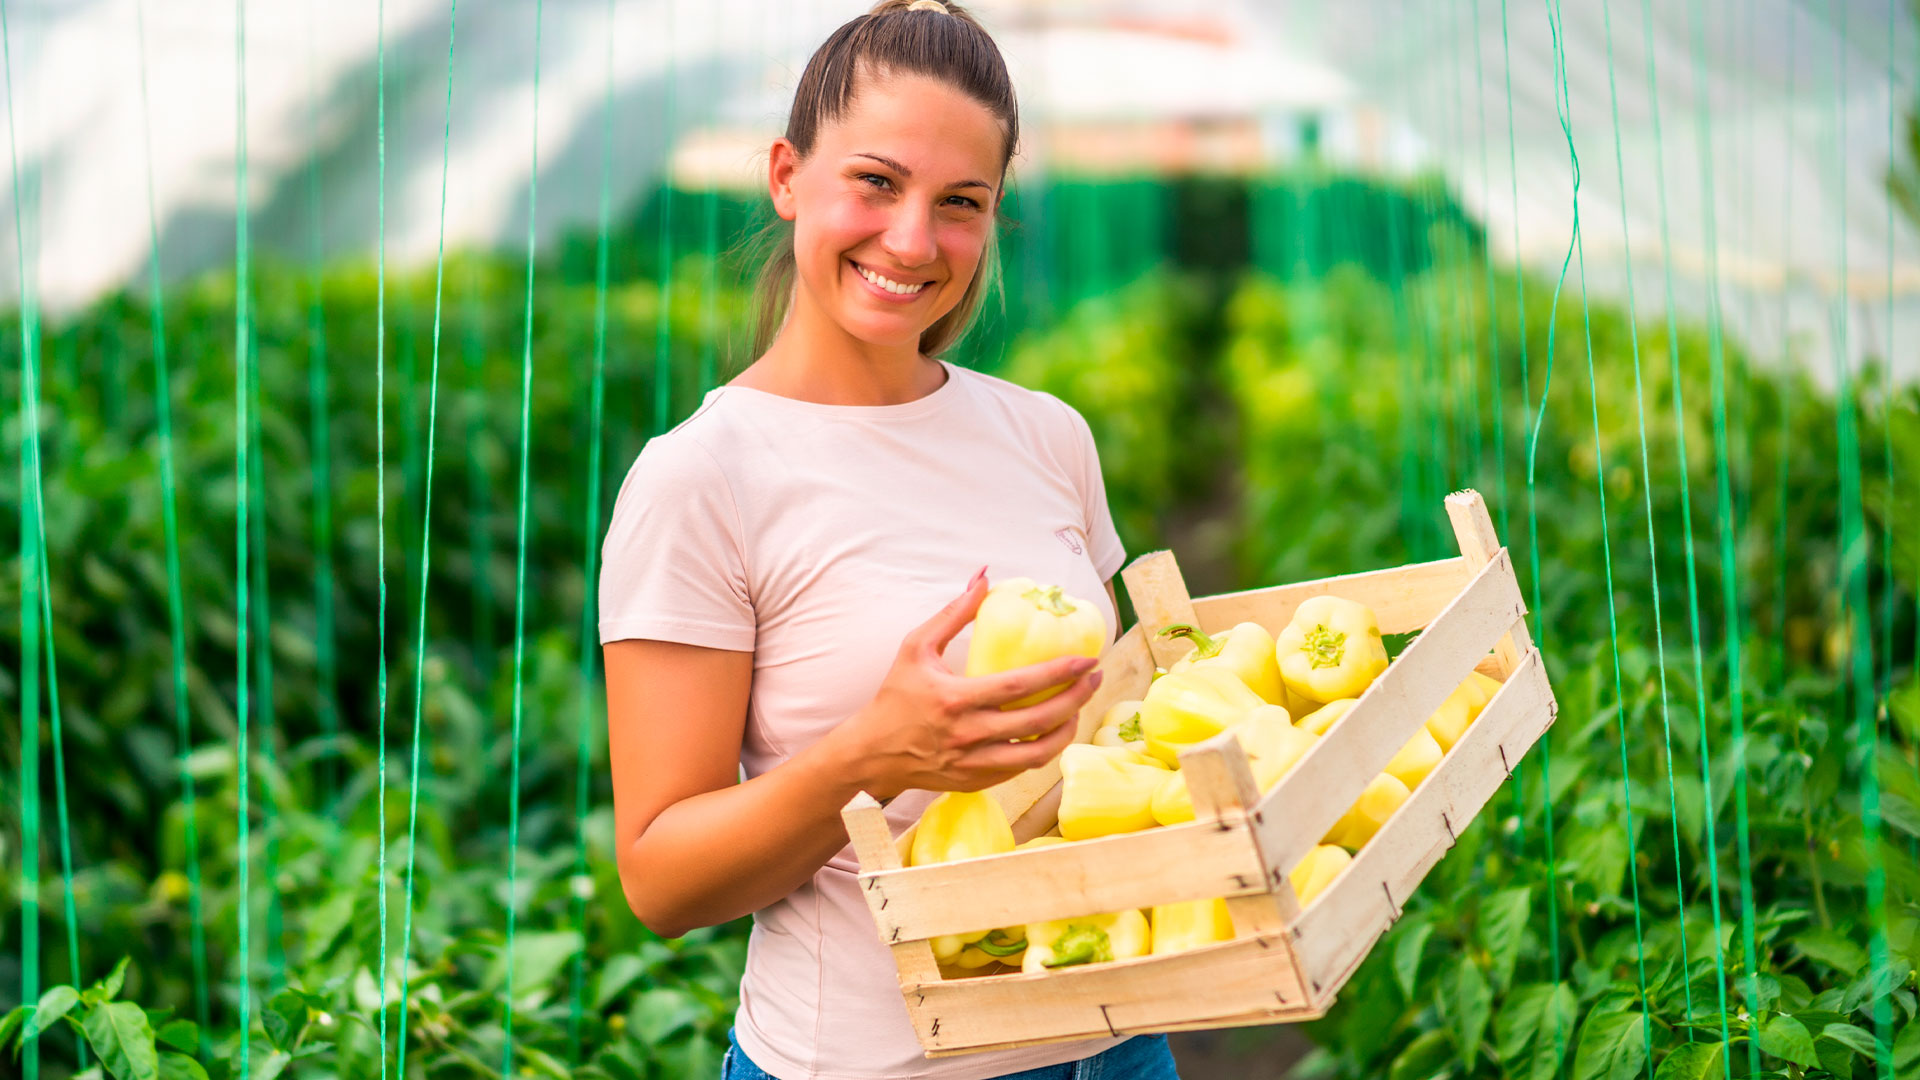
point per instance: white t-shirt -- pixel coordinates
(816, 536)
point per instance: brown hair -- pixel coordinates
(895, 37)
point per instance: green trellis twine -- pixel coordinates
(663, 336)
(242, 430)
(380, 490)
(426, 544)
(520, 562)
(1653, 541)
(320, 452)
(589, 640)
(176, 609)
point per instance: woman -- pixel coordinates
(772, 562)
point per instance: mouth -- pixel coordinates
(886, 289)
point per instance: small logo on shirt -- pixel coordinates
(1072, 542)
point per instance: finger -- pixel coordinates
(937, 632)
(1039, 718)
(992, 691)
(1021, 756)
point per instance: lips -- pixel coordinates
(884, 294)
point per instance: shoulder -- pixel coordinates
(685, 463)
(1030, 408)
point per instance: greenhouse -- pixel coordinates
(1569, 351)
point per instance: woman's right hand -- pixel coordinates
(931, 729)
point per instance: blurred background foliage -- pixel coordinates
(1284, 375)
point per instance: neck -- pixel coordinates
(814, 359)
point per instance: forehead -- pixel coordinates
(921, 122)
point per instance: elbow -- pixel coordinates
(654, 911)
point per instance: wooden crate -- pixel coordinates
(1284, 963)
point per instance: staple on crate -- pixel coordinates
(1391, 906)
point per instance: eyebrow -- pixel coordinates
(908, 173)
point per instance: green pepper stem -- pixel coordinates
(1204, 647)
(1050, 599)
(987, 946)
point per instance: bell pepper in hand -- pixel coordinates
(1192, 706)
(1104, 791)
(1190, 924)
(1376, 804)
(1246, 650)
(959, 825)
(1121, 726)
(1316, 870)
(1021, 622)
(1331, 649)
(1086, 939)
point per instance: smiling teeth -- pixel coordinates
(889, 284)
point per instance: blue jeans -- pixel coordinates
(1142, 1057)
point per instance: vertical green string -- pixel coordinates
(663, 330)
(710, 204)
(1690, 558)
(1887, 389)
(242, 432)
(1853, 588)
(263, 664)
(1526, 394)
(30, 555)
(589, 639)
(1653, 540)
(176, 608)
(520, 561)
(1783, 433)
(1497, 398)
(1466, 309)
(1729, 571)
(426, 544)
(320, 453)
(1563, 94)
(1536, 419)
(479, 493)
(380, 490)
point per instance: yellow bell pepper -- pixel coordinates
(1021, 622)
(1272, 744)
(1415, 760)
(1006, 945)
(1331, 649)
(1192, 706)
(1246, 650)
(1376, 804)
(1451, 719)
(959, 825)
(1316, 870)
(1488, 685)
(1103, 792)
(1190, 924)
(1086, 939)
(1120, 726)
(1322, 719)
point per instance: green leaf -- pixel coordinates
(110, 986)
(1407, 951)
(1612, 1047)
(271, 1065)
(181, 1035)
(285, 1015)
(14, 1018)
(1857, 1039)
(1691, 1061)
(1788, 1039)
(1871, 987)
(119, 1033)
(1833, 949)
(1424, 1057)
(1906, 1053)
(54, 1004)
(1503, 922)
(1467, 1002)
(619, 972)
(180, 1067)
(1532, 1031)
(662, 1011)
(537, 959)
(1835, 1057)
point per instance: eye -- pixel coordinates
(974, 203)
(872, 176)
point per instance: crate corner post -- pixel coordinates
(873, 844)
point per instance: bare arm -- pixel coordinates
(695, 848)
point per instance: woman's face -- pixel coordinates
(902, 188)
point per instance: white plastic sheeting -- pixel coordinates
(1391, 84)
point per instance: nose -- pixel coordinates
(909, 237)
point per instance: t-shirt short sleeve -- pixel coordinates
(1103, 540)
(672, 567)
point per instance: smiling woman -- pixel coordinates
(777, 595)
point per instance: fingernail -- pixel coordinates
(1097, 677)
(978, 576)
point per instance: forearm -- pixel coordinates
(722, 854)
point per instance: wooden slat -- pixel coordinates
(1231, 978)
(1329, 777)
(1260, 1017)
(1127, 668)
(1223, 791)
(1473, 528)
(1403, 598)
(1335, 932)
(1160, 599)
(1193, 861)
(873, 843)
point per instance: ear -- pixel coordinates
(782, 162)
